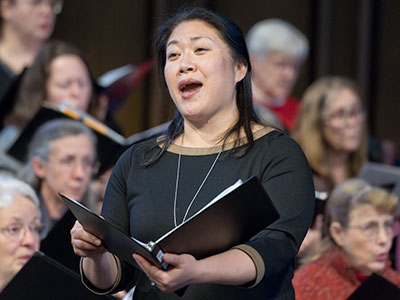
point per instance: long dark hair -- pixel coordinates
(234, 39)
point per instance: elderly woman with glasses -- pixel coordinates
(19, 227)
(358, 233)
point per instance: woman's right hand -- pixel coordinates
(84, 243)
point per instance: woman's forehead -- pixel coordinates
(192, 29)
(364, 212)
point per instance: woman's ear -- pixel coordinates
(337, 233)
(240, 70)
(38, 167)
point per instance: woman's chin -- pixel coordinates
(376, 267)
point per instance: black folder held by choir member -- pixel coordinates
(376, 287)
(43, 278)
(231, 218)
(57, 243)
(110, 144)
(381, 175)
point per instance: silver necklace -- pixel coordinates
(198, 190)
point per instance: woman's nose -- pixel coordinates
(29, 238)
(187, 64)
(384, 236)
(74, 90)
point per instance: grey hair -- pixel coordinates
(344, 198)
(351, 193)
(10, 186)
(42, 141)
(272, 35)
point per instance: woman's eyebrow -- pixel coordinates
(194, 38)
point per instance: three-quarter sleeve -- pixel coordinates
(288, 181)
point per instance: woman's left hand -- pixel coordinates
(183, 270)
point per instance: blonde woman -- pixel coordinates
(332, 131)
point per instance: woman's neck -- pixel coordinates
(193, 137)
(4, 280)
(200, 139)
(338, 164)
(261, 97)
(55, 206)
(208, 133)
(17, 51)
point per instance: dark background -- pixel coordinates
(359, 39)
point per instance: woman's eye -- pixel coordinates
(172, 55)
(14, 229)
(371, 228)
(63, 85)
(201, 49)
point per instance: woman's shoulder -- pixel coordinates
(277, 142)
(137, 151)
(320, 280)
(392, 275)
(314, 269)
(273, 135)
(327, 265)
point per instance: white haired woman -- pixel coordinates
(277, 50)
(19, 227)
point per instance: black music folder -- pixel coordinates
(57, 243)
(320, 204)
(381, 175)
(43, 278)
(231, 218)
(110, 144)
(118, 83)
(376, 287)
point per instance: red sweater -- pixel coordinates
(331, 278)
(287, 113)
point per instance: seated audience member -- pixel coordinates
(25, 26)
(19, 226)
(277, 51)
(59, 74)
(61, 159)
(332, 131)
(358, 232)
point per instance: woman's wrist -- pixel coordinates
(105, 264)
(233, 267)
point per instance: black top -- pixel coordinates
(140, 202)
(6, 78)
(9, 83)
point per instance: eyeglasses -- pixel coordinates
(56, 5)
(339, 117)
(17, 231)
(70, 163)
(371, 229)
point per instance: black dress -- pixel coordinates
(140, 202)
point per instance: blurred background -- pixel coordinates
(359, 39)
